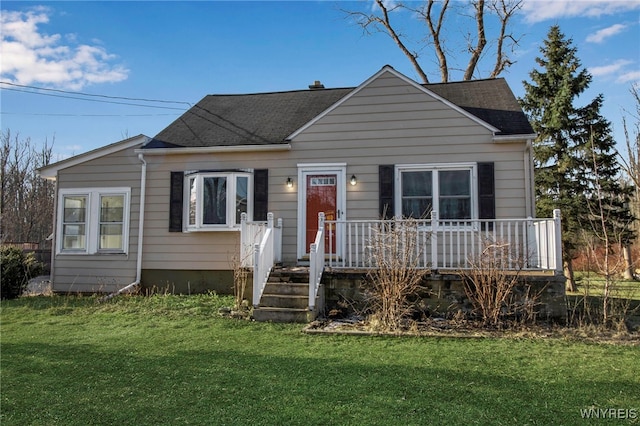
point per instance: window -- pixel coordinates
(111, 222)
(74, 225)
(446, 189)
(94, 220)
(216, 200)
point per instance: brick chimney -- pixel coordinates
(316, 85)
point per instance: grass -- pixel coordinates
(593, 285)
(174, 360)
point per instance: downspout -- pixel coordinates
(143, 190)
(528, 181)
(54, 234)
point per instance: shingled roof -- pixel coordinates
(269, 118)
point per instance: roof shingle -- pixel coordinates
(269, 118)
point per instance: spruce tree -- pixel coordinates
(574, 151)
(549, 103)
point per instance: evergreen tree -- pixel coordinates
(574, 154)
(549, 103)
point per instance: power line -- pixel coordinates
(92, 100)
(94, 95)
(84, 115)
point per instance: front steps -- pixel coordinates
(286, 297)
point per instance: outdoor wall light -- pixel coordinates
(353, 180)
(289, 183)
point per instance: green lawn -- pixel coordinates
(592, 284)
(171, 360)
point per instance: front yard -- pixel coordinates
(175, 360)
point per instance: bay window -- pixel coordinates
(216, 200)
(93, 220)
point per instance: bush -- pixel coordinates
(392, 286)
(17, 268)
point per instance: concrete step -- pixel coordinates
(288, 276)
(298, 289)
(286, 297)
(280, 300)
(269, 314)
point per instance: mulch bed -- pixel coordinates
(442, 327)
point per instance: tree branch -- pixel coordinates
(476, 51)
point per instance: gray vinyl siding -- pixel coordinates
(101, 272)
(387, 122)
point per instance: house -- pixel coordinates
(169, 211)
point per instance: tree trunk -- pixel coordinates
(570, 284)
(628, 262)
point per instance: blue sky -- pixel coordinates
(182, 51)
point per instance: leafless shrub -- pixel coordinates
(492, 289)
(239, 259)
(397, 275)
(240, 280)
(586, 311)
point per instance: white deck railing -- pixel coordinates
(526, 244)
(260, 249)
(316, 262)
(252, 233)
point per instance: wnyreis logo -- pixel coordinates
(609, 413)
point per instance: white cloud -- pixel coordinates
(599, 36)
(629, 77)
(542, 10)
(612, 68)
(31, 57)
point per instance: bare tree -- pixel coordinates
(631, 166)
(602, 209)
(631, 163)
(433, 14)
(26, 200)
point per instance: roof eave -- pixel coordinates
(50, 172)
(513, 138)
(216, 149)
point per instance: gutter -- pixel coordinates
(513, 138)
(143, 190)
(215, 149)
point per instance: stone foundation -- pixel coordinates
(444, 295)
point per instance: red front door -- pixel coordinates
(321, 197)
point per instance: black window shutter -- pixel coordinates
(175, 202)
(486, 191)
(260, 194)
(386, 182)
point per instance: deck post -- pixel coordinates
(313, 252)
(256, 275)
(558, 239)
(278, 241)
(245, 243)
(434, 240)
(269, 220)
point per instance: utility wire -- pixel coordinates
(44, 114)
(92, 100)
(94, 95)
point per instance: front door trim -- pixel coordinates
(340, 170)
